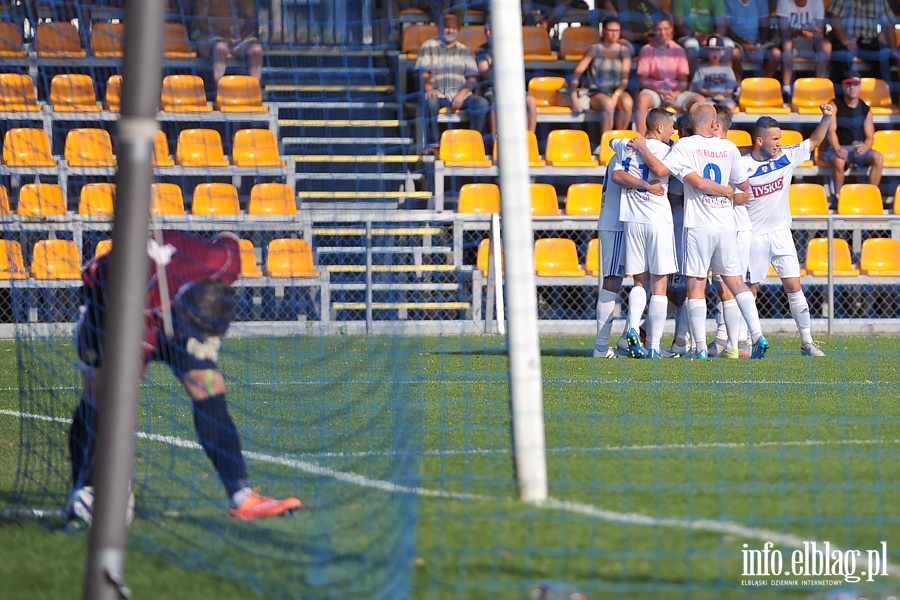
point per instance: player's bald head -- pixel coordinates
(703, 114)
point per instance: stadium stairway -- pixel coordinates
(338, 119)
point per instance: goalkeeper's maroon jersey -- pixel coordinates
(186, 258)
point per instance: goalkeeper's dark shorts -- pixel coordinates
(156, 346)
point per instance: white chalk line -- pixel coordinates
(589, 510)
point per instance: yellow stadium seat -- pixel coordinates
(26, 147)
(463, 148)
(484, 255)
(12, 264)
(38, 200)
(272, 199)
(584, 199)
(544, 201)
(880, 257)
(606, 151)
(103, 247)
(17, 93)
(897, 200)
(877, 94)
(536, 44)
(808, 199)
(11, 41)
(97, 199)
(184, 93)
(556, 257)
(161, 156)
(592, 258)
(739, 137)
(817, 258)
(256, 148)
(809, 93)
(860, 199)
(176, 43)
(73, 92)
(215, 199)
(55, 259)
(89, 148)
(762, 95)
(249, 266)
(545, 90)
(166, 199)
(414, 36)
(792, 137)
(534, 154)
(479, 198)
(200, 148)
(58, 39)
(569, 148)
(473, 36)
(106, 39)
(113, 96)
(576, 40)
(239, 93)
(4, 201)
(887, 141)
(288, 257)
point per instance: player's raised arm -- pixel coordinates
(821, 130)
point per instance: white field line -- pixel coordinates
(589, 510)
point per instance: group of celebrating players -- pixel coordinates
(671, 215)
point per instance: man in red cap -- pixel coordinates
(851, 135)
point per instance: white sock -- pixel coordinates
(240, 496)
(732, 318)
(697, 314)
(656, 320)
(682, 324)
(800, 312)
(721, 327)
(743, 334)
(747, 303)
(606, 304)
(637, 301)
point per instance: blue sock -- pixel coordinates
(219, 438)
(81, 442)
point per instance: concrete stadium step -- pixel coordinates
(324, 146)
(325, 57)
(347, 200)
(368, 91)
(337, 110)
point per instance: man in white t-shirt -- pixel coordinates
(709, 225)
(801, 24)
(770, 168)
(649, 234)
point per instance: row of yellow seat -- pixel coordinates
(586, 199)
(558, 257)
(63, 40)
(92, 148)
(75, 92)
(58, 259)
(535, 40)
(42, 200)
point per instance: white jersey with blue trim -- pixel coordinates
(712, 158)
(609, 208)
(770, 183)
(640, 206)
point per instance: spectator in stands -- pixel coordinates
(714, 80)
(855, 34)
(607, 66)
(696, 21)
(802, 27)
(449, 78)
(748, 28)
(851, 135)
(662, 72)
(485, 60)
(224, 27)
(547, 13)
(637, 18)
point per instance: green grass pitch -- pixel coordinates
(659, 471)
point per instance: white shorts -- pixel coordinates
(777, 248)
(708, 249)
(612, 253)
(649, 248)
(743, 249)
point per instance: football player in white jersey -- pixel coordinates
(709, 225)
(649, 235)
(770, 168)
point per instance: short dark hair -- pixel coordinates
(609, 20)
(656, 117)
(762, 124)
(205, 308)
(724, 115)
(683, 122)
